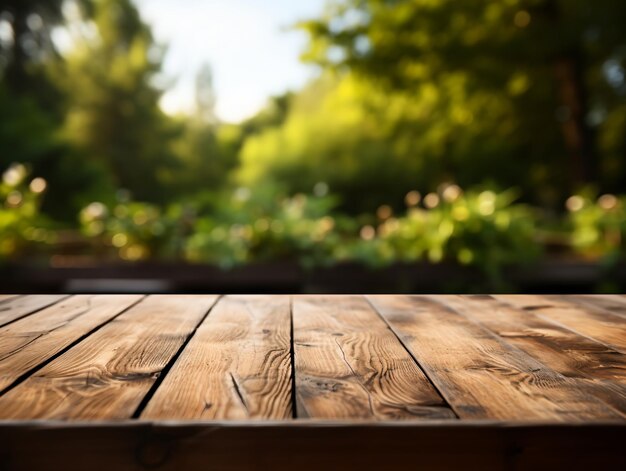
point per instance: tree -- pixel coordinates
(371, 146)
(29, 24)
(542, 59)
(32, 106)
(205, 150)
(205, 95)
(114, 116)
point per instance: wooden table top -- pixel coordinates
(444, 361)
(515, 358)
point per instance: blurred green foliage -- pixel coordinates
(88, 119)
(526, 93)
(113, 116)
(22, 227)
(411, 94)
(479, 228)
(130, 231)
(598, 226)
(263, 227)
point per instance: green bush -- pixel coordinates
(132, 231)
(260, 227)
(598, 226)
(480, 228)
(22, 227)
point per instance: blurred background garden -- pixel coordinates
(340, 145)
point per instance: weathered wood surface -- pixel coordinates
(107, 375)
(594, 366)
(32, 340)
(349, 365)
(479, 373)
(546, 358)
(13, 308)
(333, 382)
(615, 303)
(601, 326)
(236, 366)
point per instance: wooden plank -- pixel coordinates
(597, 368)
(28, 342)
(236, 366)
(602, 326)
(107, 375)
(350, 365)
(6, 297)
(480, 375)
(610, 302)
(311, 447)
(13, 309)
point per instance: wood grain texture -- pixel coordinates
(107, 375)
(479, 374)
(601, 326)
(553, 358)
(614, 303)
(596, 368)
(350, 365)
(28, 342)
(15, 308)
(236, 366)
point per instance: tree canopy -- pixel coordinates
(411, 94)
(540, 81)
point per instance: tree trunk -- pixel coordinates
(577, 135)
(569, 74)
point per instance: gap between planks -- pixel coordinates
(345, 351)
(350, 365)
(479, 373)
(417, 409)
(31, 342)
(14, 308)
(146, 399)
(589, 364)
(106, 375)
(237, 365)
